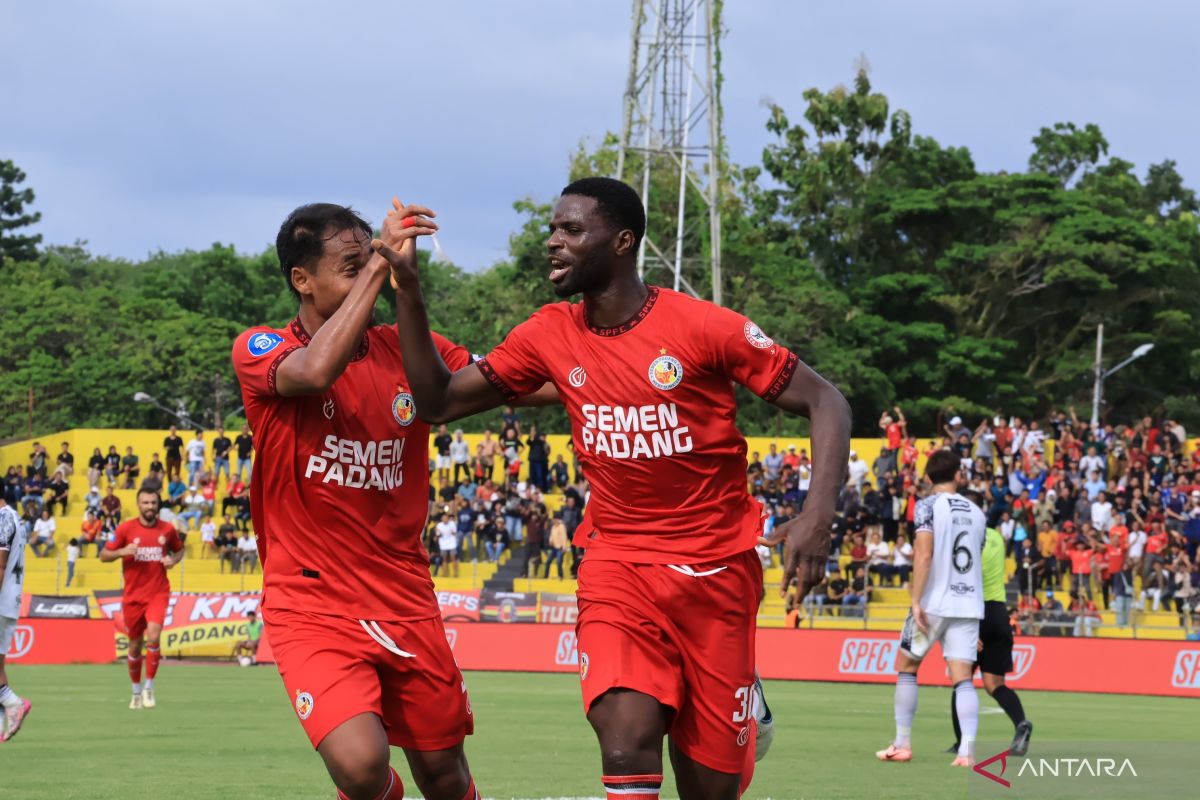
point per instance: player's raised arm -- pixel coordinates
(440, 395)
(314, 368)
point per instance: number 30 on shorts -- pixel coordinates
(744, 704)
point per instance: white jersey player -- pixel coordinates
(947, 593)
(13, 537)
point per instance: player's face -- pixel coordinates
(346, 253)
(580, 246)
(148, 507)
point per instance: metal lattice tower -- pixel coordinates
(672, 122)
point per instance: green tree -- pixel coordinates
(13, 215)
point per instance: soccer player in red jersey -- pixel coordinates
(148, 547)
(670, 585)
(339, 501)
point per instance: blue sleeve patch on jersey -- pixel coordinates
(262, 343)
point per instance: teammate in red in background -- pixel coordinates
(148, 547)
(670, 585)
(338, 502)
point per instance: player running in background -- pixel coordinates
(148, 548)
(947, 592)
(13, 538)
(670, 586)
(339, 501)
(995, 644)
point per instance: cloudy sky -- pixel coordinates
(167, 125)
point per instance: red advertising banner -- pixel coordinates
(1129, 667)
(459, 606)
(62, 641)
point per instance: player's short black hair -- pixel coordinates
(146, 488)
(301, 239)
(619, 202)
(943, 466)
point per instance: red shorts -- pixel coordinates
(683, 635)
(335, 668)
(135, 616)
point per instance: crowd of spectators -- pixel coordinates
(480, 507)
(1107, 517)
(42, 494)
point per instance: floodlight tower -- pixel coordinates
(672, 122)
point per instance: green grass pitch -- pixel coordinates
(224, 732)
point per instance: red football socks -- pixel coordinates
(393, 791)
(632, 787)
(135, 668)
(153, 654)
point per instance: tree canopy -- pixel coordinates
(885, 259)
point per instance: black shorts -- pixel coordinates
(996, 634)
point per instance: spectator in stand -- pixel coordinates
(72, 557)
(858, 553)
(208, 490)
(464, 530)
(535, 538)
(90, 530)
(110, 509)
(221, 446)
(57, 491)
(539, 459)
(447, 541)
(773, 463)
(836, 591)
(247, 552)
(560, 473)
(1029, 566)
(556, 546)
(129, 469)
(33, 491)
(38, 460)
(488, 449)
(858, 470)
(496, 537)
(1101, 512)
(96, 466)
(242, 517)
(1087, 616)
(14, 487)
(176, 491)
(196, 449)
(1081, 568)
(460, 456)
(441, 449)
(244, 443)
(511, 446)
(860, 592)
(112, 464)
(65, 463)
(235, 493)
(208, 536)
(902, 557)
(44, 529)
(227, 549)
(511, 418)
(879, 559)
(894, 433)
(193, 508)
(1093, 462)
(1054, 615)
(92, 501)
(173, 447)
(1047, 545)
(156, 472)
(1183, 591)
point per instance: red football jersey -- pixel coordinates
(341, 481)
(652, 414)
(145, 575)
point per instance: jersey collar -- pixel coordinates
(302, 336)
(629, 324)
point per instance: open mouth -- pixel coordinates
(558, 270)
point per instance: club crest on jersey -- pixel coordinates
(583, 666)
(665, 371)
(756, 337)
(404, 409)
(304, 704)
(262, 343)
(577, 377)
